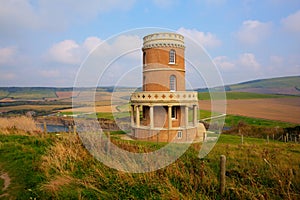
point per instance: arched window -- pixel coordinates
(172, 83)
(172, 56)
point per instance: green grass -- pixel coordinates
(106, 115)
(39, 168)
(20, 156)
(237, 95)
(1, 186)
(232, 120)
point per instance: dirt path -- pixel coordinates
(6, 179)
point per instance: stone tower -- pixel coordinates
(164, 111)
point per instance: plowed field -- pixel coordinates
(281, 109)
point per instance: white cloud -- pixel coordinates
(223, 62)
(248, 60)
(245, 61)
(8, 55)
(291, 22)
(91, 42)
(67, 51)
(19, 15)
(252, 32)
(208, 39)
(71, 52)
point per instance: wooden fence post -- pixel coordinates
(242, 138)
(45, 128)
(268, 139)
(222, 174)
(74, 129)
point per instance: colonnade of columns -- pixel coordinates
(135, 119)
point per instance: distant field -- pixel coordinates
(31, 107)
(66, 94)
(281, 82)
(280, 109)
(238, 95)
(3, 94)
(92, 109)
(32, 94)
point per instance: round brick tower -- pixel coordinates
(163, 56)
(164, 111)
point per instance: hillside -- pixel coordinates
(59, 167)
(282, 85)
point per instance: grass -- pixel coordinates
(21, 125)
(20, 157)
(237, 95)
(60, 168)
(1, 186)
(232, 120)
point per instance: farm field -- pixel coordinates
(31, 107)
(280, 109)
(104, 109)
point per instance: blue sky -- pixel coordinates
(43, 42)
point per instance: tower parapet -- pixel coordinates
(157, 40)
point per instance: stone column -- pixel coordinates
(132, 116)
(137, 116)
(170, 116)
(151, 117)
(186, 116)
(195, 120)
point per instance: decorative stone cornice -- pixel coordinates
(164, 97)
(157, 40)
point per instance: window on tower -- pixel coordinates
(172, 83)
(174, 112)
(172, 56)
(144, 59)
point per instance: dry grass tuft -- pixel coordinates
(63, 156)
(57, 183)
(20, 125)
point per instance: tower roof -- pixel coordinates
(156, 40)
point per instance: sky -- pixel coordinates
(46, 42)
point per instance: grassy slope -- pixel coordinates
(59, 168)
(281, 82)
(20, 157)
